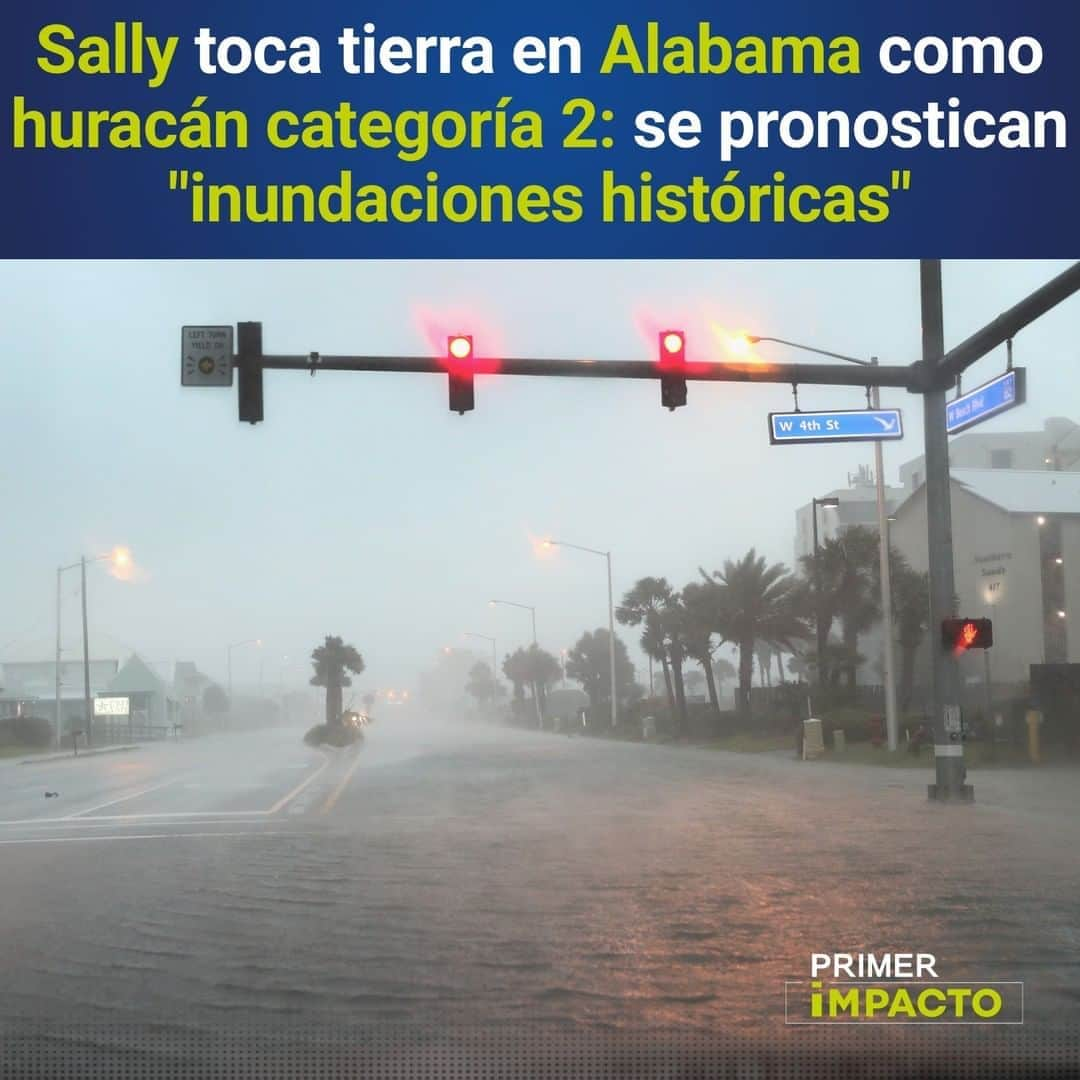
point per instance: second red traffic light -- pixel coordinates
(672, 369)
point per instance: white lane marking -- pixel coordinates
(124, 822)
(135, 836)
(122, 798)
(286, 799)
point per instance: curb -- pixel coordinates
(74, 757)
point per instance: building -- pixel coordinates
(31, 686)
(857, 505)
(1056, 447)
(1016, 553)
(150, 705)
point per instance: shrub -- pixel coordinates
(32, 731)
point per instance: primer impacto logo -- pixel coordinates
(895, 988)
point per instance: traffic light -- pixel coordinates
(249, 387)
(672, 367)
(959, 635)
(459, 362)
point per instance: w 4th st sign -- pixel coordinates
(847, 425)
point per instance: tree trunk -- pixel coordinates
(780, 667)
(710, 682)
(333, 704)
(680, 689)
(746, 677)
(667, 685)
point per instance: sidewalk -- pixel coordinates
(68, 756)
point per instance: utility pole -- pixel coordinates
(86, 660)
(611, 642)
(891, 726)
(949, 770)
(59, 715)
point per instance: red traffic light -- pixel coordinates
(959, 635)
(459, 362)
(672, 361)
(672, 347)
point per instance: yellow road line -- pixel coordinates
(286, 799)
(336, 793)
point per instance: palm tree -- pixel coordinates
(333, 660)
(911, 606)
(755, 604)
(653, 603)
(654, 646)
(701, 614)
(849, 566)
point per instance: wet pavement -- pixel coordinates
(446, 879)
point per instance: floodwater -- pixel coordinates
(467, 879)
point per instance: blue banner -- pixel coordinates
(639, 129)
(854, 425)
(993, 397)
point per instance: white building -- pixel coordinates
(1016, 553)
(857, 505)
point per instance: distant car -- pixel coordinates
(355, 721)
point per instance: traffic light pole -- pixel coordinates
(949, 770)
(932, 377)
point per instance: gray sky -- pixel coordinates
(363, 507)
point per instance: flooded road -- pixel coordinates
(448, 879)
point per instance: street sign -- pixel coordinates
(993, 397)
(206, 356)
(846, 425)
(112, 706)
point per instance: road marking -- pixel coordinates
(136, 836)
(123, 821)
(286, 799)
(336, 793)
(123, 798)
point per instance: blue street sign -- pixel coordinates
(996, 396)
(847, 425)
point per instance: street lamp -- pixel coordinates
(494, 670)
(532, 611)
(120, 558)
(525, 607)
(228, 655)
(611, 615)
(891, 728)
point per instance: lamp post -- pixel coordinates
(494, 670)
(891, 727)
(525, 607)
(532, 611)
(119, 557)
(830, 502)
(611, 616)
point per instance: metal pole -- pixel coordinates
(86, 661)
(228, 655)
(611, 641)
(949, 768)
(891, 726)
(494, 679)
(819, 626)
(59, 719)
(532, 611)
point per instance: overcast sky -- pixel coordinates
(363, 507)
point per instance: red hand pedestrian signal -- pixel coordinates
(959, 635)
